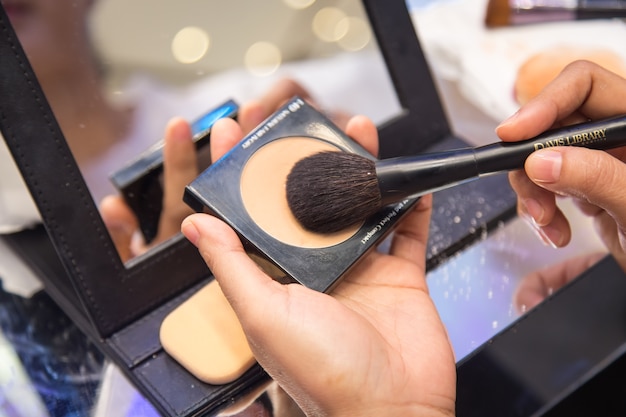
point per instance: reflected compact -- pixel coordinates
(140, 182)
(246, 188)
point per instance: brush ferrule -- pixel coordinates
(404, 177)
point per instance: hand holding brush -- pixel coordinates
(330, 191)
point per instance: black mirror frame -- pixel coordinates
(120, 306)
(85, 273)
(86, 249)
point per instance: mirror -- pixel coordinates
(475, 290)
(128, 71)
(156, 60)
(217, 52)
(76, 96)
(117, 79)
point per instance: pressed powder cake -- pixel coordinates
(264, 195)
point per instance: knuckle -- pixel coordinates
(591, 175)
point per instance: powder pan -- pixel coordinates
(218, 191)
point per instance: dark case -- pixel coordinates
(121, 306)
(140, 183)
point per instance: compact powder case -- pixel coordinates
(246, 189)
(140, 181)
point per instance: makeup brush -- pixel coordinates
(519, 12)
(330, 191)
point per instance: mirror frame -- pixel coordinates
(422, 121)
(81, 240)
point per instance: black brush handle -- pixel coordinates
(404, 177)
(506, 156)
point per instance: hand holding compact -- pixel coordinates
(180, 167)
(375, 346)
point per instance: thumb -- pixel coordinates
(242, 281)
(591, 175)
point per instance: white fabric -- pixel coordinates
(484, 62)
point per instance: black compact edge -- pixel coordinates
(218, 191)
(139, 181)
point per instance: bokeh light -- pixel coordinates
(263, 59)
(190, 44)
(357, 33)
(327, 24)
(299, 4)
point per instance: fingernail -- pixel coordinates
(544, 166)
(534, 210)
(508, 120)
(548, 235)
(190, 231)
(551, 236)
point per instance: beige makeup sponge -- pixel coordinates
(541, 68)
(203, 334)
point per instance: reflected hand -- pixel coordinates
(536, 286)
(594, 179)
(179, 169)
(376, 346)
(252, 113)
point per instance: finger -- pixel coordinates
(266, 308)
(592, 175)
(582, 91)
(363, 130)
(225, 133)
(557, 233)
(586, 207)
(241, 280)
(411, 236)
(535, 287)
(179, 169)
(538, 207)
(281, 91)
(251, 114)
(589, 175)
(534, 202)
(263, 306)
(121, 224)
(340, 118)
(612, 236)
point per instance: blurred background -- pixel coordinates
(190, 39)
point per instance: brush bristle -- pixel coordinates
(330, 191)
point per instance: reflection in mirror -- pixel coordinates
(189, 43)
(116, 72)
(189, 57)
(477, 291)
